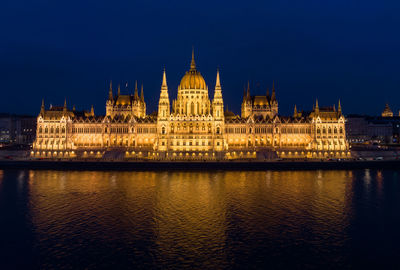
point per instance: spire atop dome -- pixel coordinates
(193, 63)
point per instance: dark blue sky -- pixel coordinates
(312, 49)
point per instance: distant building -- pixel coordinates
(387, 112)
(17, 129)
(362, 128)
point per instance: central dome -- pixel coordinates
(193, 78)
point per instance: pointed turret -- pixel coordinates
(164, 79)
(316, 109)
(295, 111)
(217, 92)
(218, 103)
(248, 91)
(163, 103)
(339, 108)
(65, 105)
(42, 107)
(110, 92)
(136, 94)
(92, 111)
(273, 97)
(141, 93)
(119, 90)
(73, 108)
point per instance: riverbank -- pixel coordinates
(198, 165)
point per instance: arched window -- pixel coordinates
(329, 130)
(40, 130)
(63, 130)
(335, 130)
(57, 130)
(51, 130)
(341, 130)
(324, 130)
(163, 130)
(318, 131)
(218, 130)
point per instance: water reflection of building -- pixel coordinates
(192, 126)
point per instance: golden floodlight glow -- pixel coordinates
(191, 123)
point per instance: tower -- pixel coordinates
(218, 103)
(247, 103)
(163, 115)
(110, 101)
(273, 101)
(218, 115)
(163, 103)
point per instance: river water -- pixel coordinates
(209, 220)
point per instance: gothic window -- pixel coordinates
(163, 130)
(57, 130)
(341, 130)
(335, 130)
(51, 130)
(318, 131)
(324, 130)
(40, 130)
(329, 130)
(218, 130)
(192, 108)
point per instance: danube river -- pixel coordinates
(208, 220)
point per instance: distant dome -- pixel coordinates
(123, 100)
(193, 79)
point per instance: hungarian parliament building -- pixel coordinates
(190, 127)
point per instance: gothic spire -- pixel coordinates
(339, 108)
(316, 106)
(295, 111)
(164, 79)
(192, 63)
(65, 105)
(217, 92)
(110, 93)
(119, 90)
(92, 110)
(217, 82)
(273, 97)
(136, 94)
(141, 93)
(248, 90)
(42, 107)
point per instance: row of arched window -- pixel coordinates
(329, 130)
(51, 130)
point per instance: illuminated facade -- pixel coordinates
(190, 127)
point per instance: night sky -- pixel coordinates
(312, 49)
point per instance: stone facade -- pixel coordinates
(192, 127)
